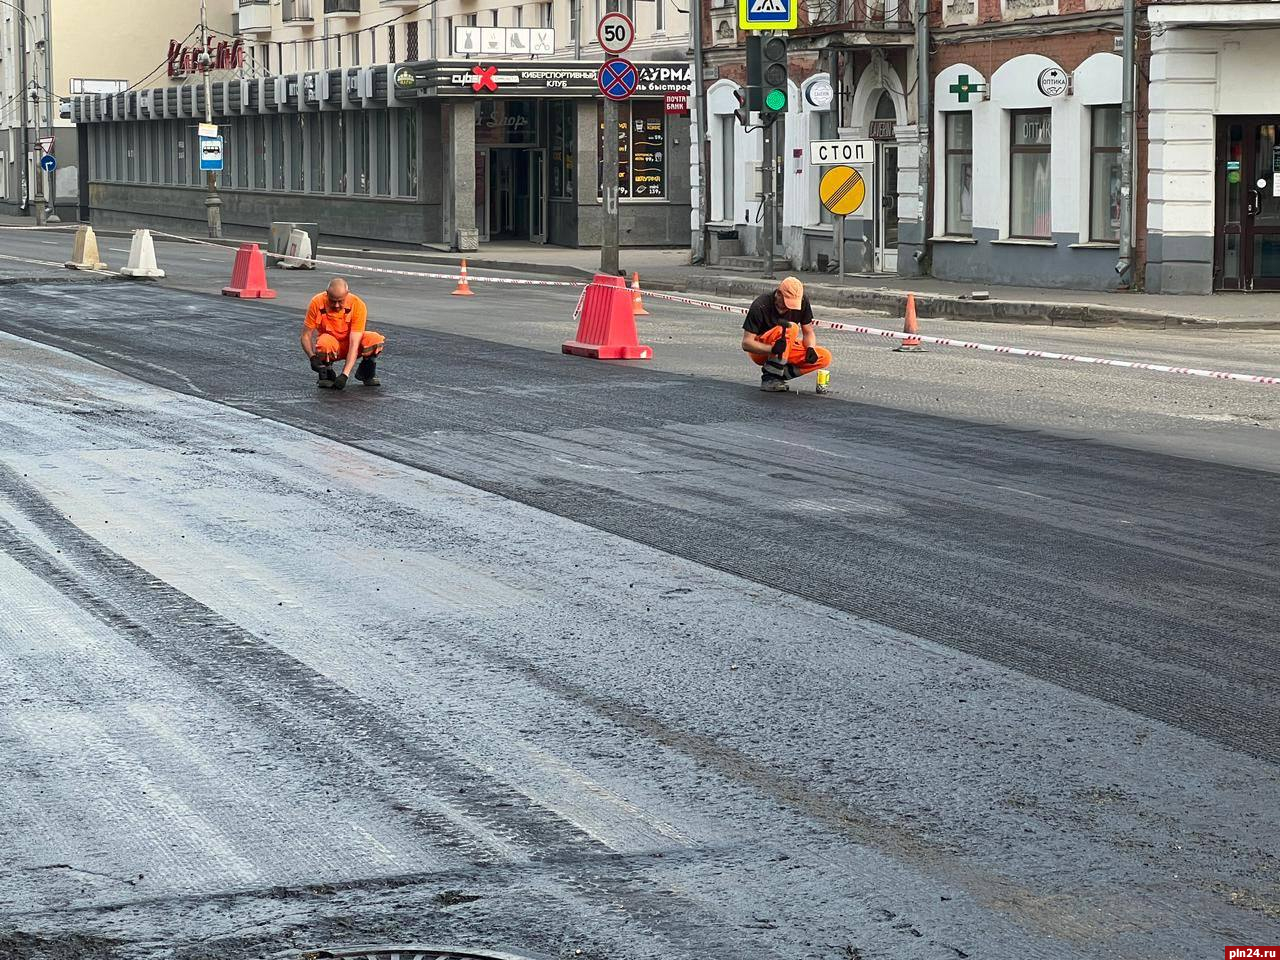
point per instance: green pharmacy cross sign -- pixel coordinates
(964, 86)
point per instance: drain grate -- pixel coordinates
(403, 952)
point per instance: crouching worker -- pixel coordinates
(334, 331)
(778, 336)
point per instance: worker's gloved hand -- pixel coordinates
(316, 363)
(340, 381)
(810, 355)
(780, 347)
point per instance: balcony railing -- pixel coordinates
(296, 11)
(252, 16)
(350, 8)
(819, 16)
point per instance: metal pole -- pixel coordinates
(700, 131)
(609, 192)
(212, 203)
(25, 185)
(840, 245)
(37, 202)
(48, 89)
(1124, 265)
(924, 107)
(766, 186)
(575, 14)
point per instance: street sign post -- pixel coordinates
(616, 33)
(825, 153)
(842, 191)
(211, 153)
(618, 79)
(48, 163)
(768, 14)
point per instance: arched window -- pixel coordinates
(885, 109)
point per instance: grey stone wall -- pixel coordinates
(1179, 264)
(1026, 265)
(250, 213)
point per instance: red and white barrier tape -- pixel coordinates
(993, 348)
(729, 308)
(364, 268)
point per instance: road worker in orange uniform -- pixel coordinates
(335, 330)
(778, 336)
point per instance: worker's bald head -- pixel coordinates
(338, 288)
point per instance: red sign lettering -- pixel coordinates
(222, 56)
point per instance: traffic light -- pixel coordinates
(743, 113)
(773, 77)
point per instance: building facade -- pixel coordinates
(55, 49)
(1213, 217)
(1026, 147)
(853, 66)
(404, 123)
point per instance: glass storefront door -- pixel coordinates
(1247, 241)
(886, 179)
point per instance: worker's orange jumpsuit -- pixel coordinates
(796, 350)
(338, 324)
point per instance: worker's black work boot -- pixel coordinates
(367, 372)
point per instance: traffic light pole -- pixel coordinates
(767, 188)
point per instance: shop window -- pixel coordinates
(728, 130)
(564, 130)
(178, 137)
(359, 125)
(959, 174)
(1104, 176)
(1030, 193)
(315, 152)
(131, 154)
(165, 137)
(336, 137)
(154, 138)
(239, 131)
(406, 151)
(641, 140)
(275, 156)
(258, 148)
(381, 122)
(297, 152)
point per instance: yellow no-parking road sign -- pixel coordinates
(842, 190)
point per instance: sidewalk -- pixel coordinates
(668, 269)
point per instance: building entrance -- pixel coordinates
(1247, 232)
(511, 171)
(511, 194)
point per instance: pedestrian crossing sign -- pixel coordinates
(768, 14)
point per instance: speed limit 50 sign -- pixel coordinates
(616, 33)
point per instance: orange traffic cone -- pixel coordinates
(464, 288)
(637, 305)
(912, 343)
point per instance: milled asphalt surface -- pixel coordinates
(677, 670)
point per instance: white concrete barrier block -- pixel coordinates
(142, 258)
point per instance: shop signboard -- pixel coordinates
(531, 78)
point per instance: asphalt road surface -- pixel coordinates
(621, 661)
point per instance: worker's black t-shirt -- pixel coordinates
(763, 315)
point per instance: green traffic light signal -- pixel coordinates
(776, 100)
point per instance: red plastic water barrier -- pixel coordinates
(607, 325)
(249, 275)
